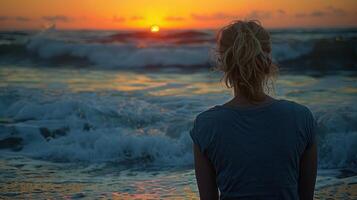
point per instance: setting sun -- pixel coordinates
(154, 28)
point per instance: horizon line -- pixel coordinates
(179, 29)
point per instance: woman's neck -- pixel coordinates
(241, 100)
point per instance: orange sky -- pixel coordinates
(172, 14)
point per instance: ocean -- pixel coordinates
(106, 114)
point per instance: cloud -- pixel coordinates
(300, 15)
(22, 19)
(16, 18)
(118, 19)
(328, 11)
(318, 13)
(254, 14)
(336, 11)
(214, 16)
(57, 18)
(174, 18)
(280, 12)
(4, 18)
(135, 18)
(259, 14)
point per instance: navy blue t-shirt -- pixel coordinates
(255, 150)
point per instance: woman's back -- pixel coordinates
(253, 147)
(256, 150)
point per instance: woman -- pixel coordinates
(254, 146)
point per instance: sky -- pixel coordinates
(174, 14)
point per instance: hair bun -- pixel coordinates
(244, 55)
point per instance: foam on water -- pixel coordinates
(136, 127)
(93, 128)
(338, 136)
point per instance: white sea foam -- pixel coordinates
(117, 127)
(91, 128)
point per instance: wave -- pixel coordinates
(122, 55)
(177, 38)
(184, 49)
(117, 127)
(80, 129)
(337, 128)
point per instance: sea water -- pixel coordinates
(106, 114)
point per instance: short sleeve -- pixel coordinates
(202, 132)
(311, 129)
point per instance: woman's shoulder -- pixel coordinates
(294, 106)
(211, 113)
(219, 113)
(299, 112)
(213, 117)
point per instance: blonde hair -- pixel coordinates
(244, 55)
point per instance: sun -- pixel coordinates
(154, 28)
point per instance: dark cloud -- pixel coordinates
(215, 16)
(118, 19)
(328, 11)
(259, 14)
(281, 12)
(134, 18)
(4, 18)
(16, 18)
(318, 13)
(300, 15)
(57, 18)
(336, 11)
(22, 19)
(174, 18)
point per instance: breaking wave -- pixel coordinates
(183, 49)
(117, 127)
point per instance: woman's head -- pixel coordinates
(244, 55)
